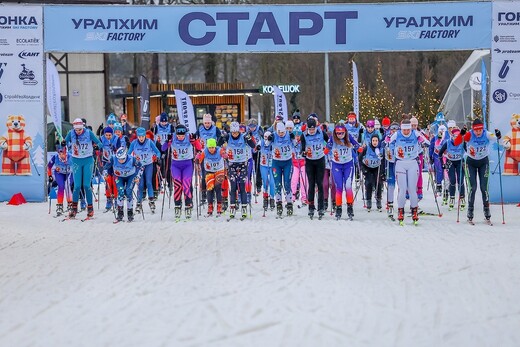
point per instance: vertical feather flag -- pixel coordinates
(355, 96)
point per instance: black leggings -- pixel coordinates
(372, 184)
(237, 180)
(481, 168)
(315, 170)
(456, 175)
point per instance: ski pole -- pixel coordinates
(430, 170)
(500, 179)
(460, 188)
(34, 164)
(163, 182)
(135, 196)
(498, 165)
(197, 169)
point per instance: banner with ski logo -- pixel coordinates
(185, 111)
(280, 103)
(145, 102)
(54, 96)
(355, 89)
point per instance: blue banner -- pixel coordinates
(269, 28)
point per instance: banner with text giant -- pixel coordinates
(269, 28)
(22, 136)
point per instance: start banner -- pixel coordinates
(269, 28)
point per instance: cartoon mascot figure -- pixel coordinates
(15, 147)
(512, 146)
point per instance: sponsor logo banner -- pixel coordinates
(269, 28)
(21, 102)
(504, 98)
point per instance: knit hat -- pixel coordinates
(234, 127)
(371, 123)
(181, 129)
(252, 121)
(78, 123)
(211, 143)
(311, 123)
(451, 123)
(439, 117)
(477, 124)
(111, 119)
(164, 117)
(207, 118)
(394, 126)
(108, 130)
(351, 115)
(442, 129)
(289, 123)
(377, 125)
(296, 114)
(280, 127)
(118, 126)
(140, 131)
(386, 122)
(414, 121)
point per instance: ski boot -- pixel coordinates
(415, 215)
(350, 211)
(470, 214)
(338, 212)
(108, 205)
(177, 213)
(120, 213)
(333, 205)
(325, 205)
(224, 204)
(451, 204)
(369, 205)
(272, 203)
(138, 207)
(130, 214)
(187, 212)
(151, 203)
(73, 210)
(321, 213)
(232, 210)
(312, 209)
(244, 212)
(487, 213)
(83, 205)
(379, 205)
(400, 215)
(445, 197)
(438, 189)
(219, 209)
(266, 201)
(90, 211)
(289, 208)
(59, 209)
(210, 209)
(462, 203)
(390, 210)
(279, 209)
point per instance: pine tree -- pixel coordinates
(428, 101)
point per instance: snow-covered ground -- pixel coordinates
(260, 282)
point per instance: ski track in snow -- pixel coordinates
(259, 282)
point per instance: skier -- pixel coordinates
(206, 130)
(313, 143)
(212, 158)
(264, 150)
(128, 171)
(257, 133)
(81, 141)
(390, 170)
(454, 164)
(146, 153)
(415, 126)
(110, 144)
(405, 145)
(437, 162)
(478, 143)
(365, 135)
(341, 148)
(371, 162)
(58, 170)
(182, 153)
(299, 176)
(282, 145)
(238, 152)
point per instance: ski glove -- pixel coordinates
(498, 134)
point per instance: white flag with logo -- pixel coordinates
(280, 103)
(355, 90)
(54, 95)
(185, 111)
